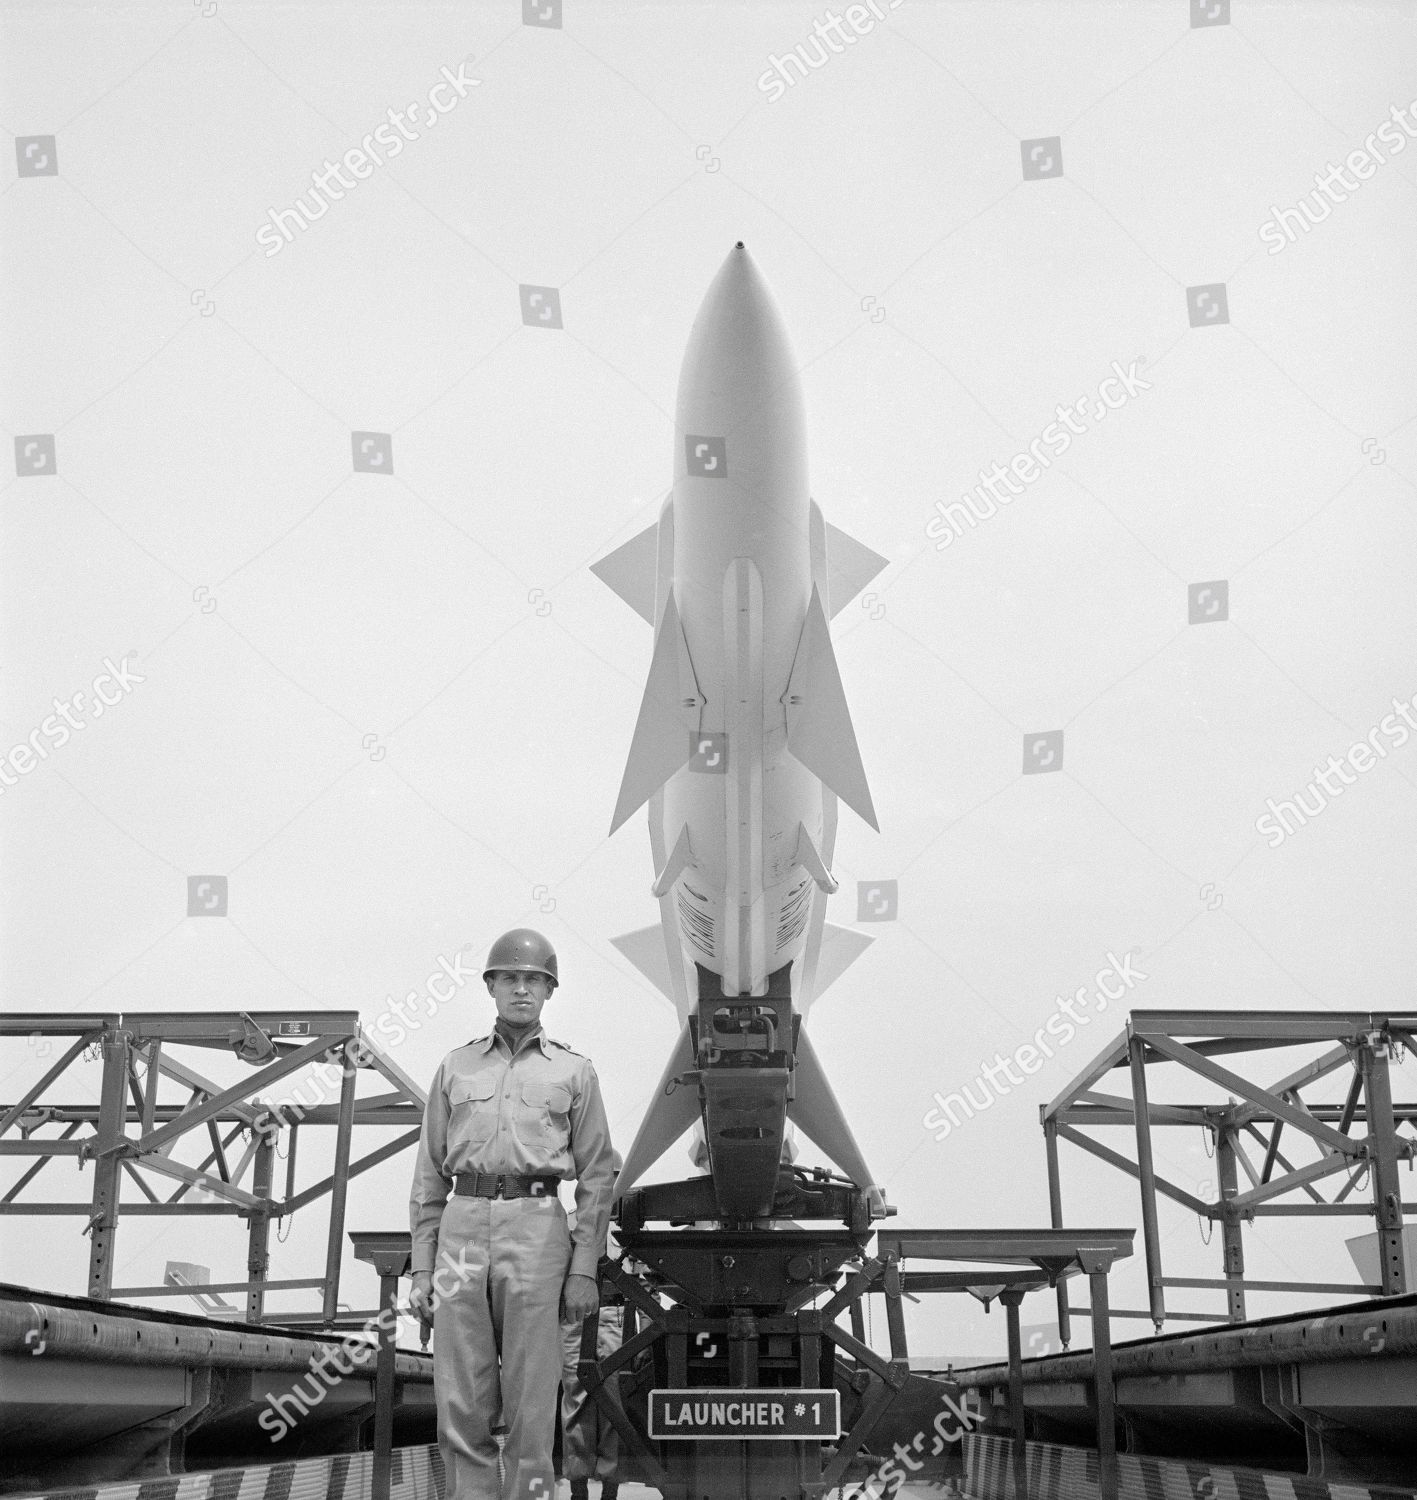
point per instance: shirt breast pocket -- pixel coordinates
(472, 1105)
(544, 1114)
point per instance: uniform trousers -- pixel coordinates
(591, 1446)
(497, 1344)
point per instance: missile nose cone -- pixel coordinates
(738, 317)
(738, 365)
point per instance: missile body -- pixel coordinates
(742, 748)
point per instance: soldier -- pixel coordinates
(509, 1117)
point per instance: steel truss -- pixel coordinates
(1256, 1120)
(659, 1340)
(151, 1102)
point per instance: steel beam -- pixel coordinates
(339, 1188)
(1055, 1217)
(1095, 1265)
(258, 1234)
(352, 1169)
(30, 1095)
(1266, 1028)
(1002, 1246)
(169, 1289)
(1017, 1423)
(135, 1131)
(1281, 1108)
(1124, 1164)
(1321, 1067)
(32, 1172)
(270, 1073)
(1354, 1038)
(110, 1141)
(80, 1210)
(1109, 1058)
(1276, 1187)
(1382, 1154)
(1221, 1283)
(1232, 1243)
(1146, 1176)
(1272, 1148)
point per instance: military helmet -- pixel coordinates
(524, 952)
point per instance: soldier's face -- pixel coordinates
(519, 997)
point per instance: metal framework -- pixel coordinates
(151, 1103)
(1004, 1263)
(1050, 1259)
(1356, 1138)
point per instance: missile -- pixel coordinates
(741, 750)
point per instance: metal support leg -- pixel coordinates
(384, 1392)
(1382, 1154)
(339, 1183)
(150, 1083)
(809, 1373)
(1097, 1265)
(734, 1458)
(742, 1348)
(895, 1314)
(258, 1239)
(1055, 1215)
(1146, 1172)
(107, 1155)
(389, 1255)
(1011, 1300)
(1232, 1240)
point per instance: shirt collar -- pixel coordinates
(538, 1039)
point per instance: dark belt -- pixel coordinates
(507, 1185)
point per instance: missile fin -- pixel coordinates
(669, 936)
(811, 953)
(679, 860)
(841, 947)
(661, 742)
(630, 571)
(809, 857)
(851, 565)
(645, 949)
(671, 1113)
(819, 731)
(818, 1116)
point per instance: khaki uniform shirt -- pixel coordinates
(537, 1112)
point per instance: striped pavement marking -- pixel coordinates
(417, 1474)
(1056, 1472)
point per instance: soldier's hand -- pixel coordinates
(420, 1299)
(579, 1298)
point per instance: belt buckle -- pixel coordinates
(499, 1187)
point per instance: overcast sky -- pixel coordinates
(332, 494)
